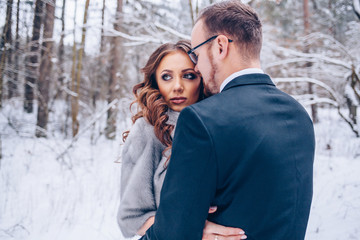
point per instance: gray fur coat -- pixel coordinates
(142, 175)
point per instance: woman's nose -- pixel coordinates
(178, 86)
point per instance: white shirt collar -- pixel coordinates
(239, 73)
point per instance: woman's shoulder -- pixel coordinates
(141, 131)
(141, 124)
(140, 141)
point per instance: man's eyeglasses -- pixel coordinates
(191, 53)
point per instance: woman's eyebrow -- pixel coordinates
(166, 70)
(187, 69)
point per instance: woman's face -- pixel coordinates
(177, 80)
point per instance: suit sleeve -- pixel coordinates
(139, 157)
(190, 182)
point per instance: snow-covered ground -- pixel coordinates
(335, 212)
(76, 196)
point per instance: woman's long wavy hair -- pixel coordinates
(150, 103)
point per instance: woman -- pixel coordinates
(170, 84)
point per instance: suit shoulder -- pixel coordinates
(206, 104)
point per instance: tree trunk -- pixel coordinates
(97, 82)
(308, 64)
(6, 40)
(61, 72)
(353, 100)
(191, 12)
(114, 81)
(102, 41)
(32, 62)
(73, 80)
(61, 51)
(10, 73)
(45, 70)
(17, 47)
(75, 105)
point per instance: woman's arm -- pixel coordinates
(139, 157)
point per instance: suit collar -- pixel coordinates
(249, 79)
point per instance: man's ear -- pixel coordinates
(222, 46)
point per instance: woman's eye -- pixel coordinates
(166, 77)
(190, 76)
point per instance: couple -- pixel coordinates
(239, 164)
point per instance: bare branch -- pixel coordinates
(310, 57)
(87, 126)
(310, 80)
(172, 31)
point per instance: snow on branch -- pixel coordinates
(289, 61)
(310, 99)
(138, 40)
(320, 100)
(310, 80)
(172, 31)
(151, 38)
(318, 35)
(309, 56)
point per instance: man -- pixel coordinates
(248, 149)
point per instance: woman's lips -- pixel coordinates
(178, 100)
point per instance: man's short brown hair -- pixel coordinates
(236, 20)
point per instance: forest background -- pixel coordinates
(67, 68)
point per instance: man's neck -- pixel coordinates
(239, 73)
(234, 64)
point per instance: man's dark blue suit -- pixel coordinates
(248, 150)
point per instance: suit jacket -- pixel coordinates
(249, 151)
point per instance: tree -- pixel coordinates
(45, 70)
(114, 83)
(61, 51)
(76, 86)
(32, 61)
(10, 73)
(308, 64)
(74, 123)
(96, 87)
(17, 47)
(6, 41)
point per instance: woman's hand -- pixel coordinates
(213, 231)
(146, 226)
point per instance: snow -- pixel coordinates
(335, 212)
(76, 197)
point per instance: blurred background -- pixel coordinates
(67, 68)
